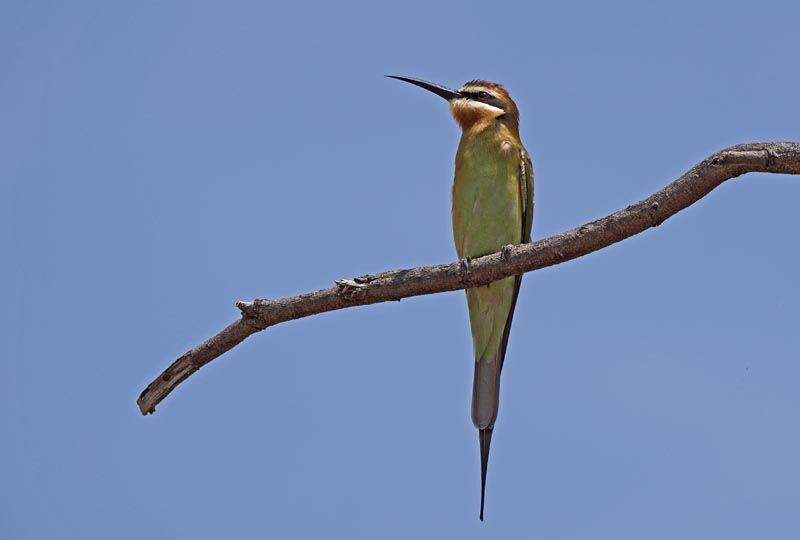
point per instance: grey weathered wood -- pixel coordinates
(769, 157)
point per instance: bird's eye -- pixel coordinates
(483, 95)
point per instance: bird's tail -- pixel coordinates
(485, 436)
(485, 403)
(486, 391)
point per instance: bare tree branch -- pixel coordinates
(769, 157)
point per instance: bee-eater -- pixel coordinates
(492, 209)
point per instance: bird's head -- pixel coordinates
(476, 104)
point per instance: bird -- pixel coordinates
(492, 210)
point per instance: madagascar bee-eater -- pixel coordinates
(492, 210)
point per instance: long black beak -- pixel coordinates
(437, 89)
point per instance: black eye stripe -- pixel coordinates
(490, 99)
(477, 94)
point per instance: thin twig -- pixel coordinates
(769, 157)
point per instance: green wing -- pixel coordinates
(526, 200)
(526, 192)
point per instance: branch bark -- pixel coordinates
(256, 315)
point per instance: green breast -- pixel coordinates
(487, 211)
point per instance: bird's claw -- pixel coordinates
(505, 253)
(465, 263)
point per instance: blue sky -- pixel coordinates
(162, 160)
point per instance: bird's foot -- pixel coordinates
(465, 263)
(505, 253)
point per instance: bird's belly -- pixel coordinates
(487, 211)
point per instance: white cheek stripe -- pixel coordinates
(479, 105)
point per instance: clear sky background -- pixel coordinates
(161, 160)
